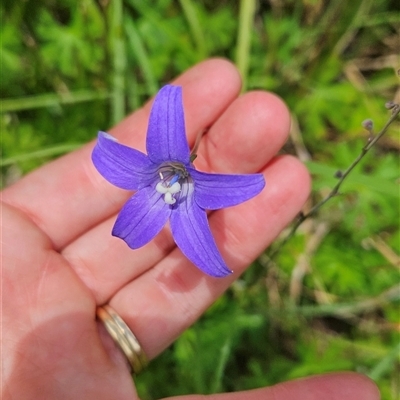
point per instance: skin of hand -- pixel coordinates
(59, 260)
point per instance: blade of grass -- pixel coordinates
(48, 152)
(136, 44)
(133, 93)
(347, 309)
(189, 10)
(246, 17)
(385, 365)
(216, 385)
(118, 61)
(51, 100)
(317, 39)
(351, 30)
(380, 19)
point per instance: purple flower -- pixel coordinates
(169, 187)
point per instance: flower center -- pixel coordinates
(172, 175)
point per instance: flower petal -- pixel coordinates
(141, 218)
(123, 166)
(166, 135)
(215, 191)
(192, 235)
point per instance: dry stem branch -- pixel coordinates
(395, 108)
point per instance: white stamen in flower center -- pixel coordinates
(168, 191)
(172, 175)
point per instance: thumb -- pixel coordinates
(336, 386)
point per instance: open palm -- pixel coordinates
(60, 261)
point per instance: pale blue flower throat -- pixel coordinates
(172, 175)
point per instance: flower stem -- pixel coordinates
(193, 154)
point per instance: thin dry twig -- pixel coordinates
(382, 247)
(303, 267)
(297, 140)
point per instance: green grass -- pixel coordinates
(334, 63)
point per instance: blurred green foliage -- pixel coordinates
(334, 63)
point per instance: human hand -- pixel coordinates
(60, 261)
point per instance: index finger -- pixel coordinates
(68, 196)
